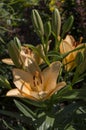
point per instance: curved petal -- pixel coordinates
(56, 89)
(32, 66)
(14, 92)
(18, 93)
(31, 95)
(70, 40)
(21, 78)
(8, 61)
(69, 60)
(50, 75)
(65, 47)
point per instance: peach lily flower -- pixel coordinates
(36, 84)
(69, 44)
(26, 53)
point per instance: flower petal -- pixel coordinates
(70, 40)
(8, 61)
(50, 75)
(64, 48)
(14, 92)
(22, 77)
(69, 61)
(56, 89)
(32, 66)
(18, 93)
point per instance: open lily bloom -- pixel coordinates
(36, 84)
(69, 44)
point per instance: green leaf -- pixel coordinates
(16, 115)
(2, 40)
(34, 103)
(80, 71)
(45, 123)
(79, 58)
(63, 118)
(25, 110)
(4, 82)
(73, 94)
(9, 127)
(12, 127)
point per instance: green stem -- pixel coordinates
(45, 51)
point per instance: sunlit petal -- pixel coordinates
(14, 92)
(50, 75)
(70, 40)
(32, 66)
(31, 95)
(56, 89)
(19, 93)
(8, 61)
(21, 75)
(65, 47)
(69, 61)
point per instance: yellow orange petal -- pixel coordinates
(8, 61)
(56, 89)
(69, 61)
(65, 47)
(70, 40)
(19, 93)
(50, 75)
(22, 77)
(14, 92)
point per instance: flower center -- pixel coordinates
(37, 81)
(42, 94)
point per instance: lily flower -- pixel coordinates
(69, 44)
(26, 53)
(36, 84)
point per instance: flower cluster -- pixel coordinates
(31, 80)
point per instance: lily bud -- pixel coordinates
(37, 22)
(56, 22)
(67, 25)
(14, 53)
(18, 43)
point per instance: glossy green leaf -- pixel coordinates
(25, 110)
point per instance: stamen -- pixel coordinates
(34, 81)
(37, 81)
